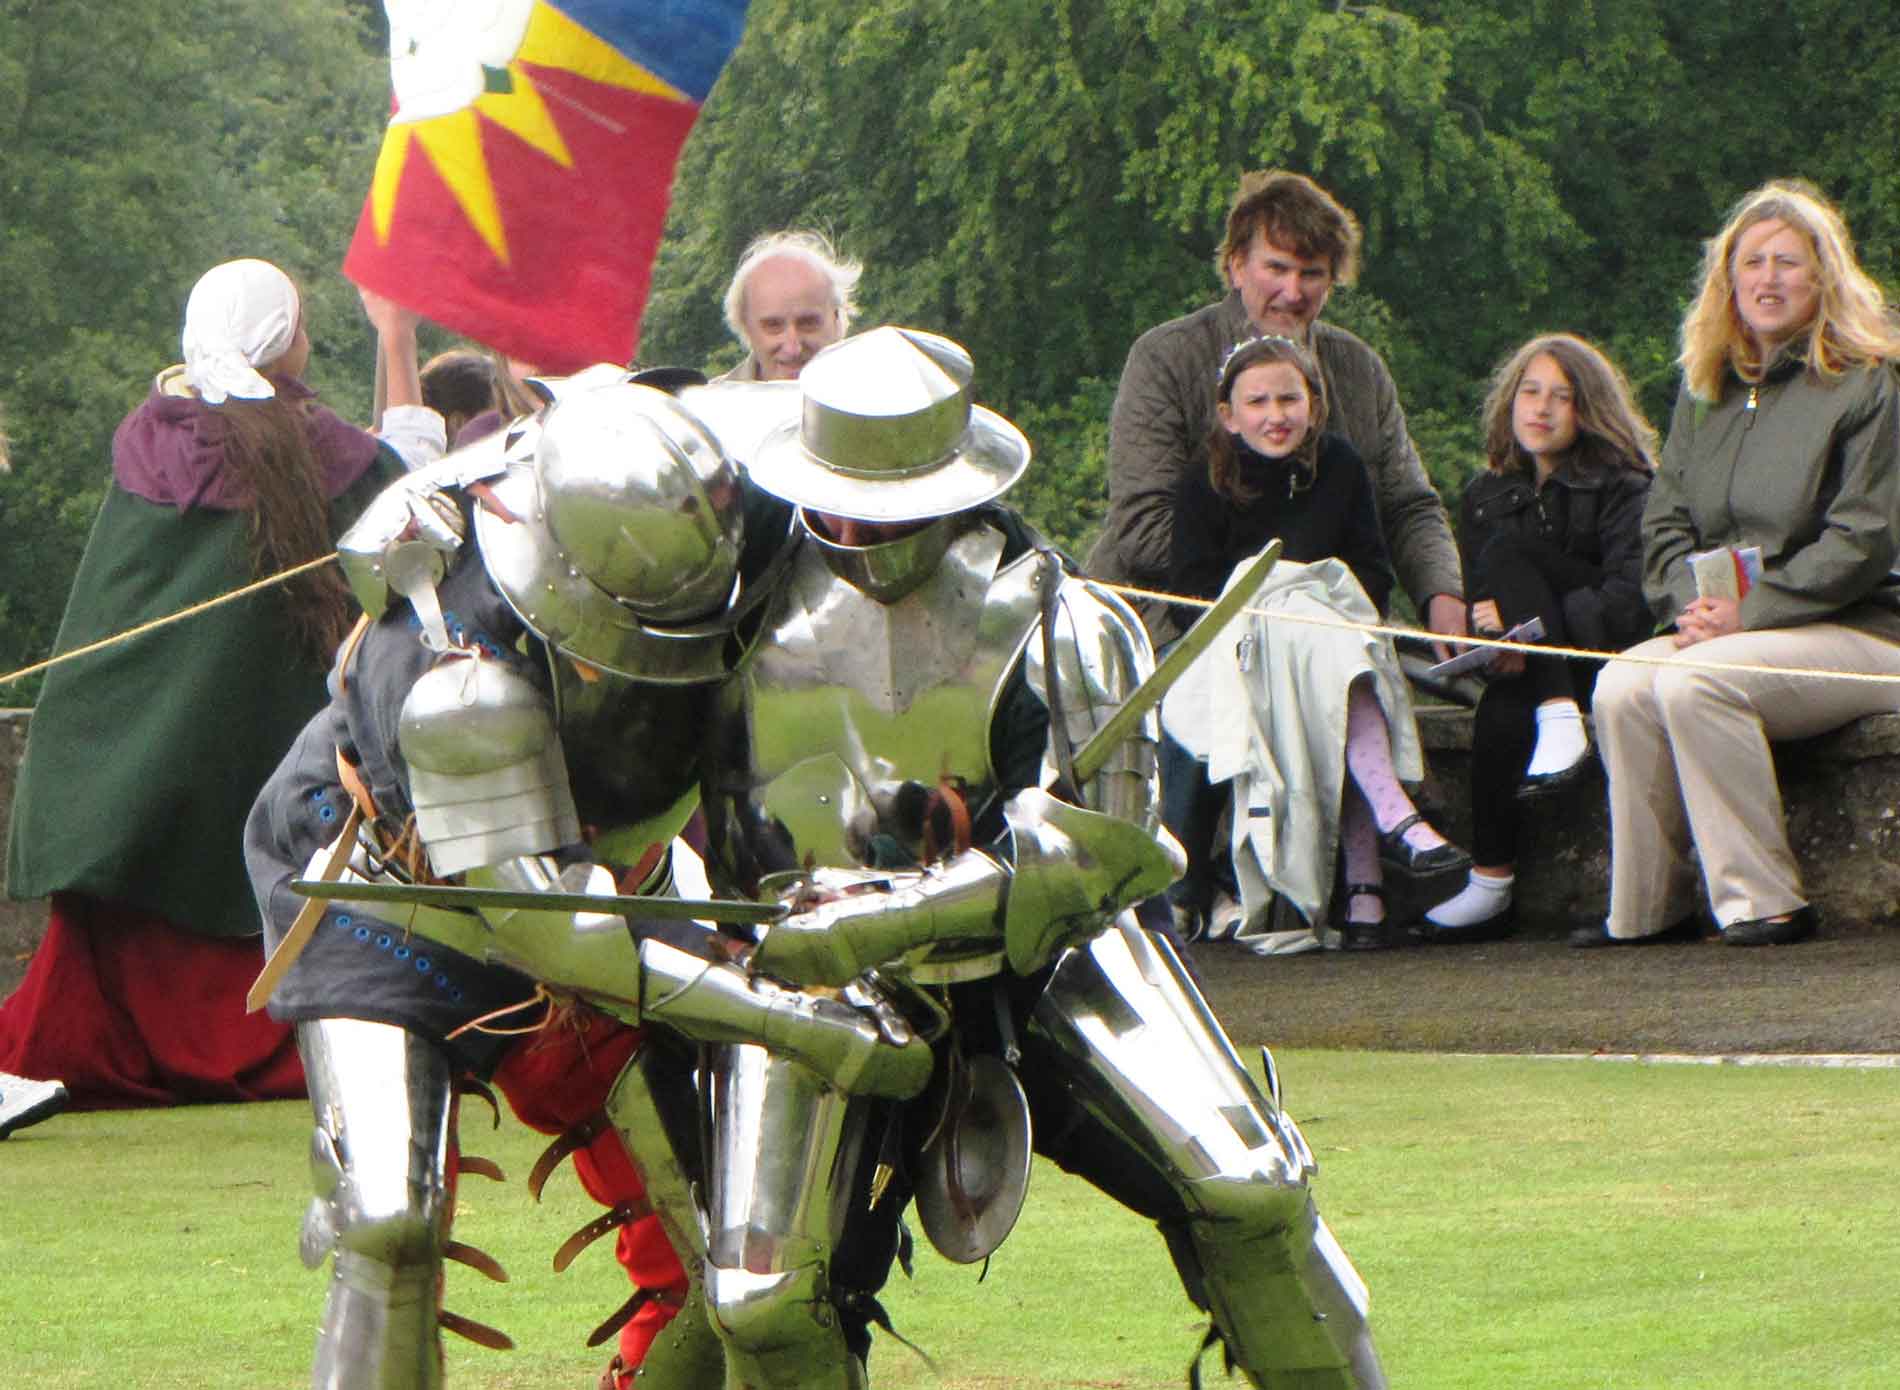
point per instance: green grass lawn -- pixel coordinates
(1521, 1222)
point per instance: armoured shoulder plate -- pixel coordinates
(1101, 654)
(486, 773)
(407, 535)
(856, 717)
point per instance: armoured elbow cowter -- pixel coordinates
(486, 773)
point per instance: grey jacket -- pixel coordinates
(1805, 468)
(747, 370)
(1164, 410)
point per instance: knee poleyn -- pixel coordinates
(760, 1312)
(390, 1218)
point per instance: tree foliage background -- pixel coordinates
(1039, 181)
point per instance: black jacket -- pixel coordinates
(1333, 515)
(1593, 517)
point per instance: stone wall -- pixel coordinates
(1841, 792)
(21, 924)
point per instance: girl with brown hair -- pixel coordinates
(1326, 715)
(1551, 530)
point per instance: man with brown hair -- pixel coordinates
(1288, 243)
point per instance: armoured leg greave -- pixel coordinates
(1151, 1061)
(656, 1109)
(379, 1154)
(784, 1152)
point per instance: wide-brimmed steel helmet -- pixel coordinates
(889, 432)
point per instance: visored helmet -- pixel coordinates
(641, 500)
(620, 539)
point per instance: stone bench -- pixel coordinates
(1841, 792)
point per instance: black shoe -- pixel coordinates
(1361, 936)
(1685, 932)
(1766, 931)
(1418, 863)
(1550, 783)
(1496, 927)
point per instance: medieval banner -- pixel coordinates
(524, 179)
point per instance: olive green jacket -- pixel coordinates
(1164, 412)
(1806, 468)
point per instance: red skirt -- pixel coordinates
(127, 1009)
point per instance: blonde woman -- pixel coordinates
(1552, 529)
(1785, 437)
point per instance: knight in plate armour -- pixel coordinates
(547, 611)
(897, 759)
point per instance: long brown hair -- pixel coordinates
(1228, 475)
(1612, 430)
(268, 451)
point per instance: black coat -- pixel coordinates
(1592, 517)
(1335, 515)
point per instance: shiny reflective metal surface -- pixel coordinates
(974, 1174)
(898, 696)
(576, 616)
(1152, 1062)
(946, 912)
(382, 1102)
(889, 432)
(856, 1050)
(784, 1148)
(486, 772)
(1074, 869)
(414, 514)
(782, 1158)
(890, 569)
(1102, 655)
(641, 500)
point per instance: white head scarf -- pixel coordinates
(241, 316)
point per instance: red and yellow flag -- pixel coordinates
(524, 179)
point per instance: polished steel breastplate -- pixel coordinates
(839, 741)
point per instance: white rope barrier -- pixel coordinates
(1681, 659)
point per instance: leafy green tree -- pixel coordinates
(1043, 182)
(140, 145)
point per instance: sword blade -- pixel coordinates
(731, 910)
(1170, 668)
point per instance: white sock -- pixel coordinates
(1561, 741)
(1482, 898)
